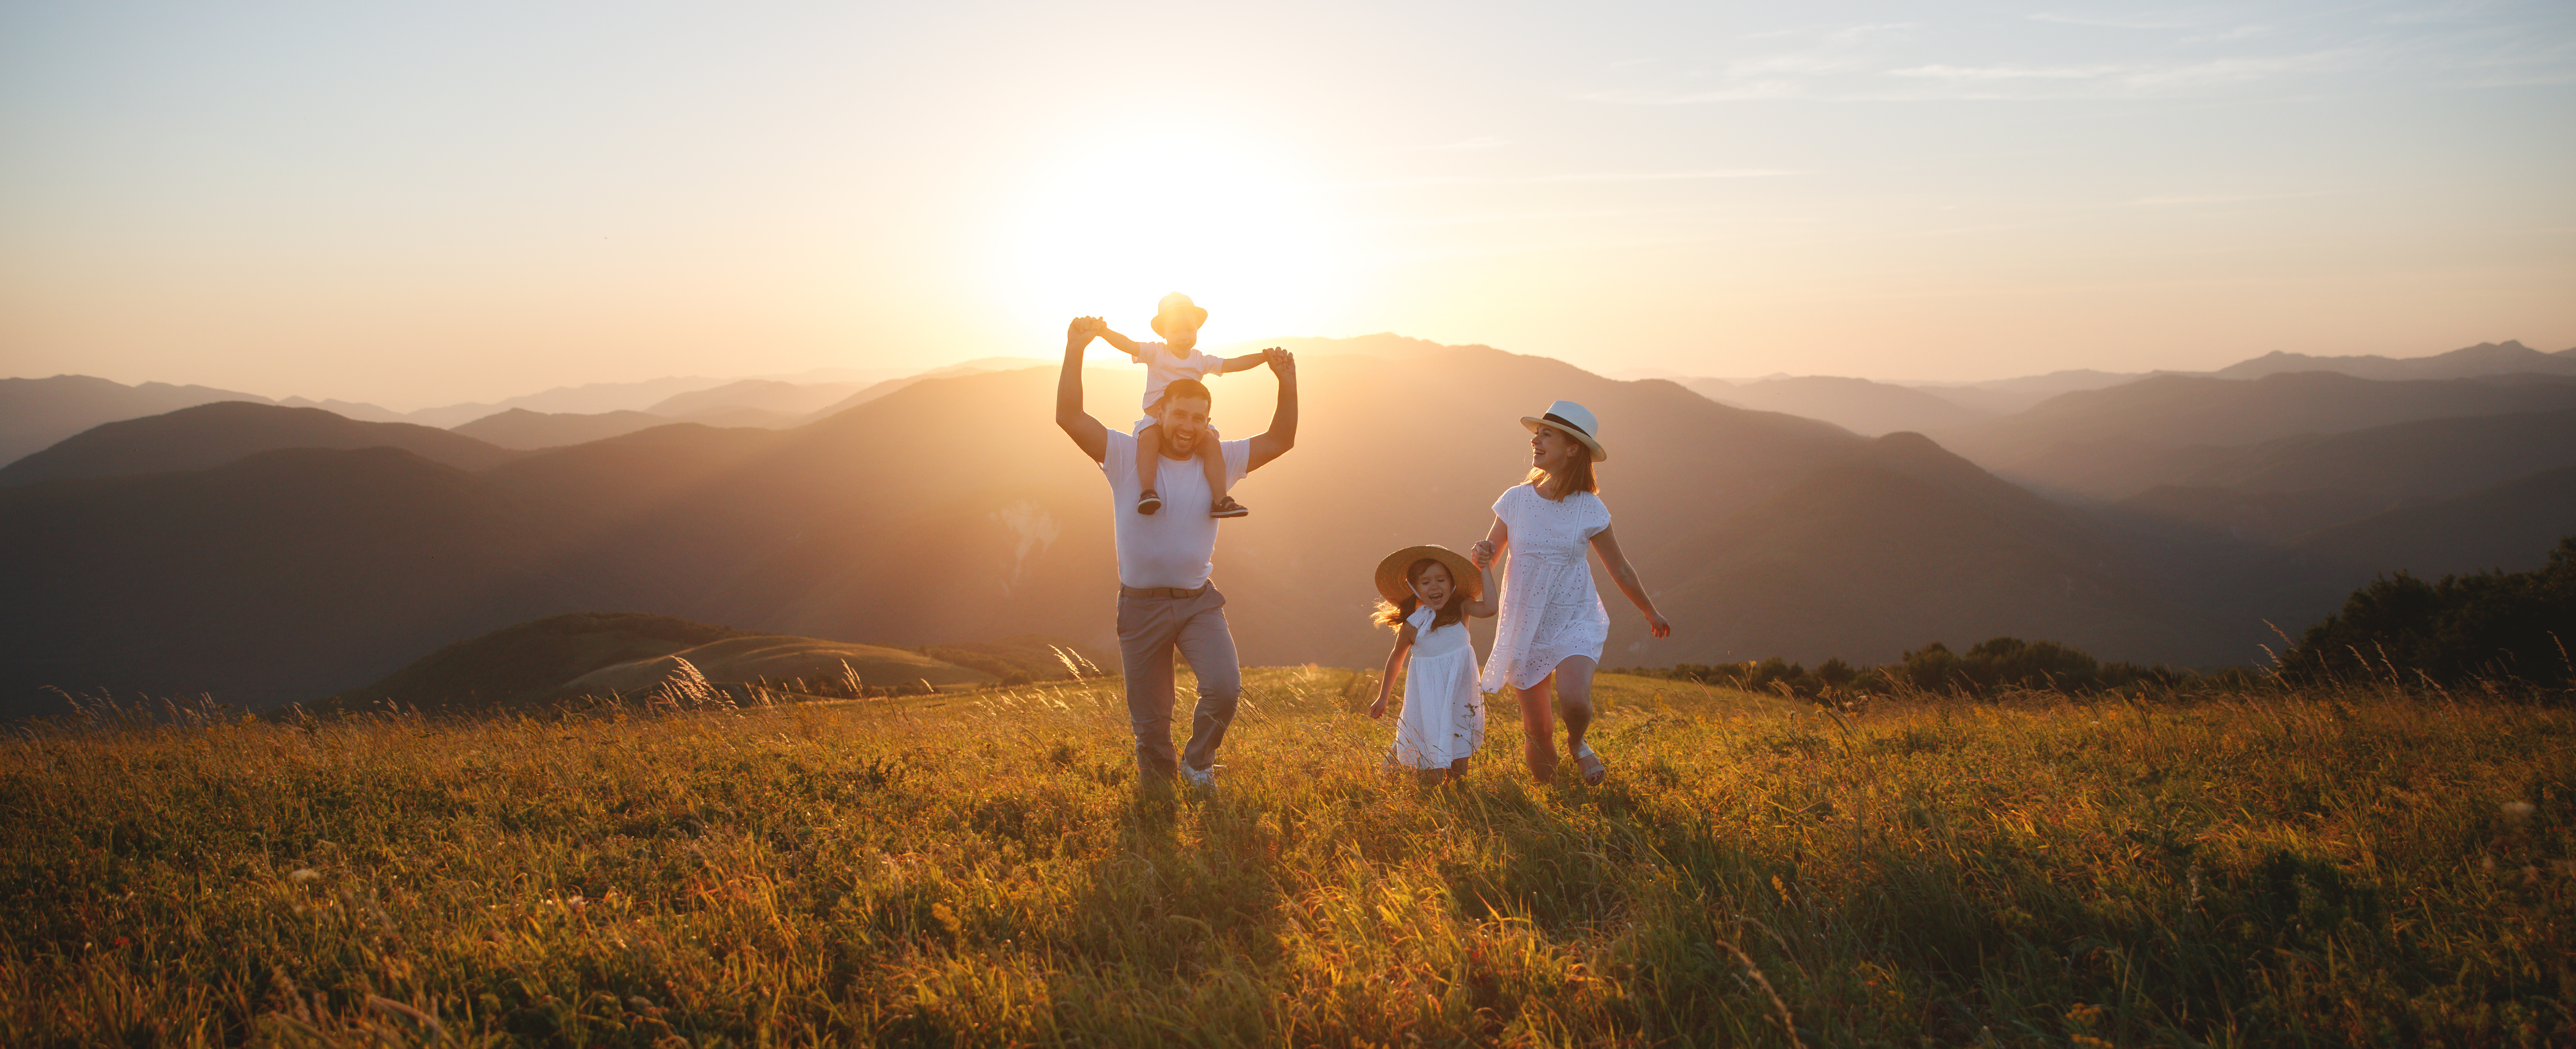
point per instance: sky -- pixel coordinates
(417, 204)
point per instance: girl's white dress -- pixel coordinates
(1549, 609)
(1444, 715)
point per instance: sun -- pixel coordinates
(1197, 212)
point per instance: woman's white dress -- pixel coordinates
(1444, 715)
(1549, 609)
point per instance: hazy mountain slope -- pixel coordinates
(2006, 396)
(842, 529)
(1859, 405)
(287, 575)
(2429, 458)
(358, 410)
(2073, 440)
(785, 398)
(2254, 516)
(954, 509)
(2487, 358)
(2510, 526)
(35, 413)
(872, 391)
(213, 434)
(586, 399)
(2434, 457)
(522, 429)
(1901, 543)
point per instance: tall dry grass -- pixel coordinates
(2364, 865)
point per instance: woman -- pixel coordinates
(1553, 625)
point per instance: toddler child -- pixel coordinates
(1430, 591)
(1177, 320)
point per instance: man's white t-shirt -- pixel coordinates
(1161, 368)
(1176, 547)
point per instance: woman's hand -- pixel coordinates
(1482, 554)
(1378, 709)
(1658, 625)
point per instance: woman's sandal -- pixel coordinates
(1594, 769)
(1148, 502)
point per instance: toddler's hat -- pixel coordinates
(1177, 305)
(1393, 586)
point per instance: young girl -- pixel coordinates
(1430, 591)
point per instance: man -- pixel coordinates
(1165, 601)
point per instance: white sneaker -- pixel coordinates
(1205, 777)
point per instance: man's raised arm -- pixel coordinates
(1282, 434)
(1087, 433)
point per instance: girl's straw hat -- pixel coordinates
(1394, 587)
(1577, 422)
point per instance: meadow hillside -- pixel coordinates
(582, 655)
(832, 530)
(2353, 864)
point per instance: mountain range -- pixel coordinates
(269, 554)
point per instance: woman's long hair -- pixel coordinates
(1392, 616)
(1578, 474)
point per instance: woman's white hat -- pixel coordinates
(1577, 422)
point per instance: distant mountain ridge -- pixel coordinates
(35, 413)
(2510, 357)
(326, 559)
(283, 576)
(212, 435)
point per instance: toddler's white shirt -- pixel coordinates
(1161, 368)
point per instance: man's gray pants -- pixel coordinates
(1152, 624)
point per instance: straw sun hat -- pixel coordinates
(1394, 587)
(1177, 305)
(1576, 421)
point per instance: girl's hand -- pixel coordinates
(1482, 554)
(1378, 709)
(1658, 625)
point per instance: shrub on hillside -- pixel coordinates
(2510, 625)
(1991, 666)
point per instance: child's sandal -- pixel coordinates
(1148, 502)
(1225, 506)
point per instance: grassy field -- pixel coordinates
(2350, 868)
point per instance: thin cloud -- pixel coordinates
(1575, 177)
(2117, 23)
(1942, 72)
(1485, 142)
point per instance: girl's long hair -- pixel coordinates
(1392, 616)
(1578, 474)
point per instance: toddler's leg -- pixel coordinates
(1212, 463)
(1149, 458)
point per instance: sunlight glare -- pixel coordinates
(1186, 212)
